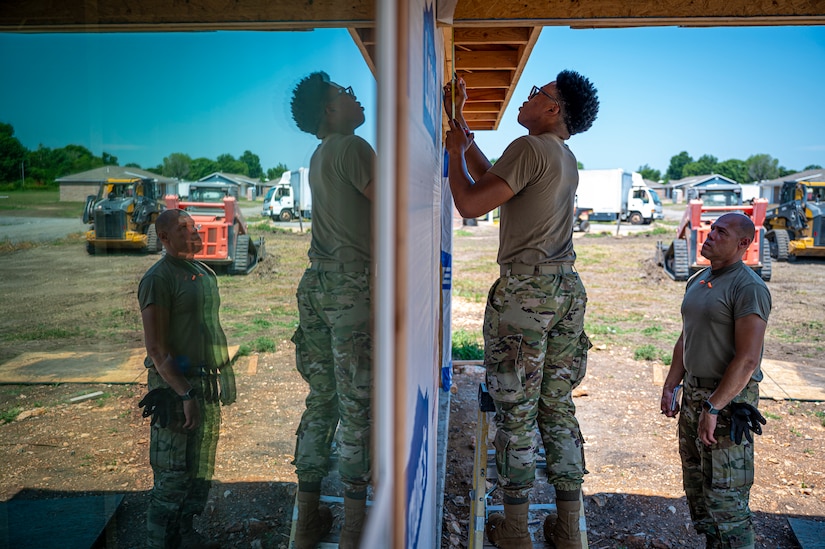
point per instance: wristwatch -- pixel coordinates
(188, 395)
(709, 408)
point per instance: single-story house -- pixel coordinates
(247, 187)
(688, 187)
(76, 187)
(771, 187)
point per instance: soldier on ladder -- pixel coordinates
(535, 345)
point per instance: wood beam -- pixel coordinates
(189, 15)
(163, 15)
(639, 13)
(486, 79)
(496, 35)
(487, 60)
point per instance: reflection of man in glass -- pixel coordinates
(187, 353)
(333, 342)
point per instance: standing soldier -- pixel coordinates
(333, 342)
(187, 356)
(535, 348)
(724, 314)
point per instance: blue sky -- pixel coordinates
(729, 92)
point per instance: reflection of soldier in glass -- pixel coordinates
(333, 342)
(187, 355)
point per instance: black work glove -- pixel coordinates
(744, 419)
(211, 390)
(159, 404)
(228, 391)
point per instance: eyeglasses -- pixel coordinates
(346, 91)
(537, 90)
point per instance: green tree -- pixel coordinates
(733, 168)
(201, 167)
(228, 164)
(762, 167)
(578, 165)
(677, 164)
(46, 165)
(704, 165)
(177, 165)
(812, 167)
(783, 171)
(649, 173)
(12, 155)
(275, 173)
(108, 159)
(253, 164)
(132, 165)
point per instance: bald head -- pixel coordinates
(168, 220)
(740, 224)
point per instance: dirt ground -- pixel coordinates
(633, 493)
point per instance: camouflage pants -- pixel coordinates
(333, 349)
(717, 478)
(183, 463)
(535, 353)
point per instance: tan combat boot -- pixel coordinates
(563, 533)
(354, 513)
(509, 531)
(314, 520)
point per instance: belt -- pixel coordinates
(336, 267)
(521, 269)
(701, 382)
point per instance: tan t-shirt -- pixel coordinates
(339, 171)
(537, 223)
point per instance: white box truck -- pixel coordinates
(617, 194)
(290, 197)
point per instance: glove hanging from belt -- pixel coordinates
(744, 419)
(159, 404)
(220, 385)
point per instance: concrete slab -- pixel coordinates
(125, 366)
(70, 523)
(809, 533)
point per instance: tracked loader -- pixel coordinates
(682, 257)
(794, 228)
(122, 216)
(227, 245)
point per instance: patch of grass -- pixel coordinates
(262, 323)
(41, 331)
(259, 345)
(795, 432)
(771, 415)
(475, 291)
(7, 416)
(652, 330)
(462, 232)
(808, 451)
(651, 352)
(40, 203)
(467, 346)
(600, 329)
(655, 231)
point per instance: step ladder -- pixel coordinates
(484, 471)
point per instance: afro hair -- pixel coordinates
(309, 97)
(581, 104)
